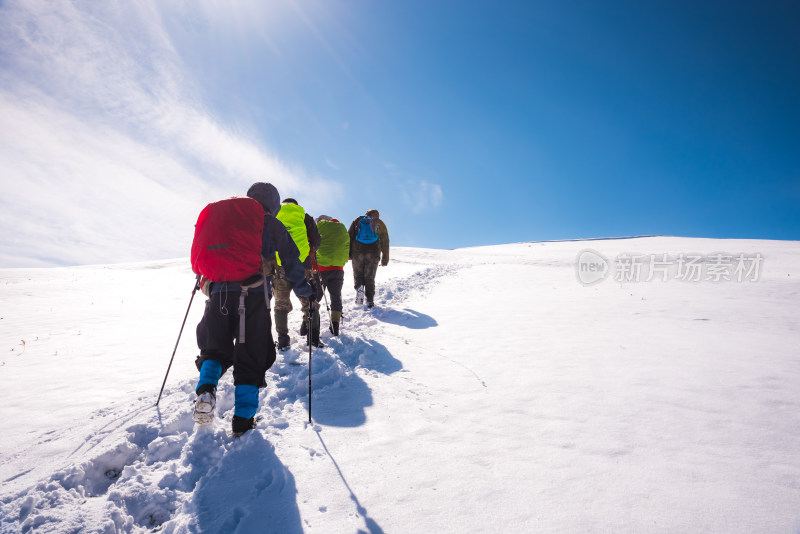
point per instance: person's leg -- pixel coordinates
(282, 289)
(370, 270)
(215, 341)
(314, 319)
(334, 281)
(215, 332)
(358, 270)
(314, 280)
(360, 264)
(251, 361)
(210, 373)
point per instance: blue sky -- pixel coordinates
(464, 123)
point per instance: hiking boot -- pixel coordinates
(334, 328)
(204, 404)
(315, 340)
(370, 304)
(283, 341)
(360, 295)
(241, 425)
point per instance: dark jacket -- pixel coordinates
(277, 239)
(314, 239)
(380, 248)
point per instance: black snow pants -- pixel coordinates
(333, 280)
(218, 333)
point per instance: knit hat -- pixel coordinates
(323, 218)
(267, 196)
(373, 213)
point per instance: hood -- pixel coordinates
(267, 196)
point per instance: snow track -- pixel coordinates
(151, 468)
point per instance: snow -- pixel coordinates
(488, 391)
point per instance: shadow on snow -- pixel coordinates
(407, 317)
(341, 396)
(372, 525)
(369, 354)
(248, 490)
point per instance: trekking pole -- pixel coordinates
(196, 287)
(310, 347)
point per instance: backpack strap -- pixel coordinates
(243, 295)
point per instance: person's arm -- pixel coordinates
(383, 234)
(312, 232)
(277, 239)
(352, 232)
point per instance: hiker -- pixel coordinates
(369, 245)
(331, 257)
(234, 241)
(303, 229)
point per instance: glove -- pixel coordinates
(306, 291)
(317, 292)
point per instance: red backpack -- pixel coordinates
(227, 240)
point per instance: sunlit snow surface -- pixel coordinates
(488, 391)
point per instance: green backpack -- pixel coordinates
(334, 251)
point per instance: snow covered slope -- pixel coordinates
(488, 391)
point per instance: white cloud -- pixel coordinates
(78, 193)
(423, 196)
(107, 152)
